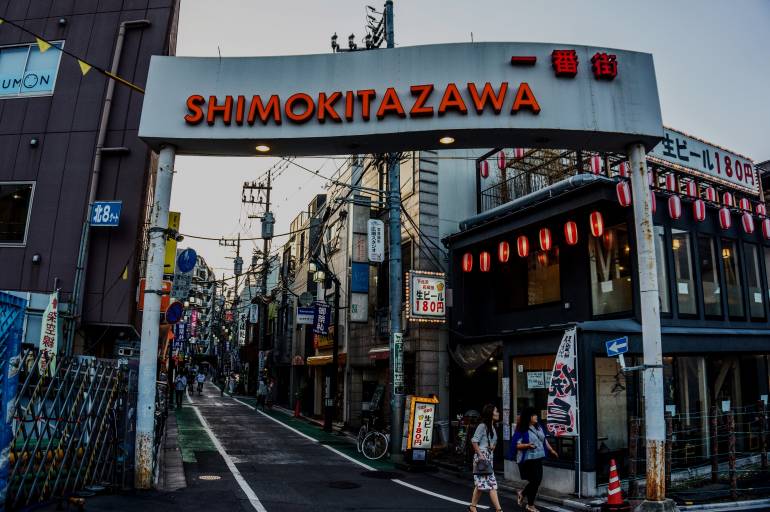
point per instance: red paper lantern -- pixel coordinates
(596, 164)
(596, 222)
(501, 160)
(623, 170)
(761, 210)
(725, 221)
(467, 262)
(691, 188)
(727, 199)
(503, 251)
(518, 152)
(484, 169)
(674, 207)
(747, 221)
(623, 192)
(744, 204)
(571, 232)
(485, 261)
(608, 240)
(542, 258)
(699, 210)
(653, 202)
(766, 228)
(670, 182)
(711, 194)
(522, 246)
(545, 239)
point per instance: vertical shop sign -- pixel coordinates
(422, 413)
(506, 408)
(398, 361)
(49, 334)
(562, 393)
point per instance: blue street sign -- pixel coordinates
(174, 312)
(617, 347)
(185, 262)
(106, 213)
(321, 317)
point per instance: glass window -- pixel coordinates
(26, 70)
(408, 172)
(732, 278)
(662, 266)
(610, 271)
(683, 271)
(539, 270)
(754, 282)
(709, 274)
(15, 201)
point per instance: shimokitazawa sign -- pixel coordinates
(477, 94)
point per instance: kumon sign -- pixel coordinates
(448, 95)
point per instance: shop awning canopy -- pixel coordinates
(378, 353)
(324, 359)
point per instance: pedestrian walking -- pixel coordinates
(484, 441)
(270, 398)
(179, 386)
(224, 385)
(528, 448)
(190, 381)
(261, 394)
(201, 378)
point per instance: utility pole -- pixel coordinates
(237, 270)
(654, 420)
(396, 336)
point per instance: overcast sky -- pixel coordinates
(711, 61)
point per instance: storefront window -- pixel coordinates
(660, 258)
(732, 278)
(683, 271)
(543, 279)
(756, 301)
(709, 274)
(610, 271)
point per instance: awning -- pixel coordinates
(378, 353)
(325, 359)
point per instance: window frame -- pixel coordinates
(26, 63)
(29, 213)
(693, 257)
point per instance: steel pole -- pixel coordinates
(148, 355)
(652, 376)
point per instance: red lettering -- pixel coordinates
(488, 96)
(738, 170)
(226, 110)
(748, 173)
(194, 104)
(258, 109)
(728, 167)
(240, 107)
(303, 117)
(525, 99)
(719, 165)
(349, 99)
(419, 109)
(390, 104)
(366, 96)
(452, 100)
(326, 106)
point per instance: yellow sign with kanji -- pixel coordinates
(169, 260)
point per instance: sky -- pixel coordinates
(710, 57)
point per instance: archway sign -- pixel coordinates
(480, 94)
(467, 95)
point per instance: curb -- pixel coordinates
(728, 505)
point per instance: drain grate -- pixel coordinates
(209, 477)
(382, 475)
(343, 484)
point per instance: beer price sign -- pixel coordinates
(427, 296)
(422, 413)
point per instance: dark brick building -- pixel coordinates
(49, 123)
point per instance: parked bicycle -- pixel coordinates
(372, 441)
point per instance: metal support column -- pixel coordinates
(148, 357)
(654, 421)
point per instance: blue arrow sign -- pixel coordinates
(185, 262)
(617, 347)
(174, 312)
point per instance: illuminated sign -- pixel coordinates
(427, 296)
(422, 413)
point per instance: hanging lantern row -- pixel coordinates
(545, 237)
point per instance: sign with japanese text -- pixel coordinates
(421, 418)
(562, 392)
(169, 257)
(305, 316)
(49, 335)
(359, 307)
(194, 322)
(375, 240)
(703, 160)
(427, 296)
(398, 362)
(106, 213)
(321, 317)
(536, 380)
(181, 287)
(321, 341)
(253, 313)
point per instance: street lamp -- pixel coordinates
(312, 267)
(319, 276)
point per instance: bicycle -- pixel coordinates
(367, 425)
(375, 444)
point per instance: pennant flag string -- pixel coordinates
(85, 66)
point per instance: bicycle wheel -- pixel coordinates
(360, 439)
(375, 445)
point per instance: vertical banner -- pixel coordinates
(49, 334)
(562, 393)
(506, 408)
(398, 362)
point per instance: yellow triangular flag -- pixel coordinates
(84, 67)
(125, 270)
(43, 45)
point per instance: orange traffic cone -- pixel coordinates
(615, 500)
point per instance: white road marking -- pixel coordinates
(358, 462)
(248, 491)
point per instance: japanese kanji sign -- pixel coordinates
(422, 413)
(427, 296)
(49, 334)
(701, 159)
(321, 318)
(562, 393)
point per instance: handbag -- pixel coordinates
(482, 467)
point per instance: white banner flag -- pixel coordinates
(562, 392)
(49, 334)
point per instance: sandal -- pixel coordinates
(531, 508)
(472, 507)
(520, 498)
